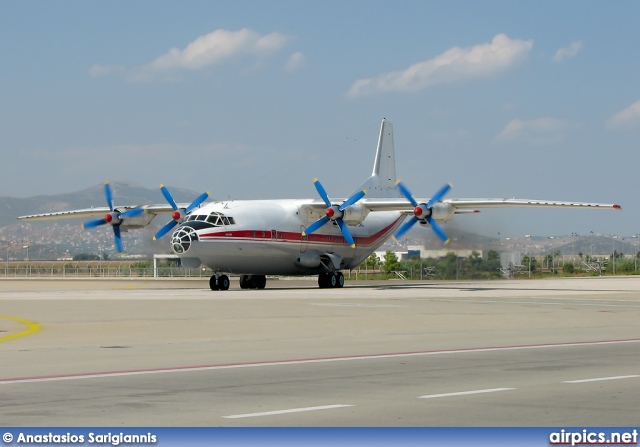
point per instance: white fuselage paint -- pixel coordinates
(266, 238)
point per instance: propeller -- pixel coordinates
(422, 211)
(113, 217)
(334, 212)
(178, 214)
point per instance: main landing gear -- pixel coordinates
(221, 282)
(331, 280)
(253, 281)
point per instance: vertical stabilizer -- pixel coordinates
(382, 182)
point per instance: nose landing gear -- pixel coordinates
(219, 282)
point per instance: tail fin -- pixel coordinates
(382, 182)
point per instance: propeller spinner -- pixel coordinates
(178, 214)
(334, 212)
(113, 217)
(422, 211)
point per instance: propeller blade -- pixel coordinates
(167, 195)
(322, 192)
(133, 212)
(201, 198)
(353, 199)
(116, 233)
(405, 192)
(94, 223)
(404, 228)
(441, 192)
(346, 233)
(164, 230)
(438, 230)
(314, 226)
(109, 194)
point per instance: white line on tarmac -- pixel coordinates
(185, 369)
(543, 303)
(293, 410)
(464, 393)
(600, 379)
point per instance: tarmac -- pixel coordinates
(161, 352)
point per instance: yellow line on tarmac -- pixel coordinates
(33, 328)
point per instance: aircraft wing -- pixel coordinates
(100, 211)
(465, 204)
(460, 206)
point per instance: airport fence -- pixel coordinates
(104, 269)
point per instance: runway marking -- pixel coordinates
(507, 300)
(180, 369)
(465, 393)
(293, 410)
(600, 379)
(354, 305)
(33, 328)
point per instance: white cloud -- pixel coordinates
(626, 117)
(214, 48)
(537, 131)
(296, 62)
(570, 51)
(455, 64)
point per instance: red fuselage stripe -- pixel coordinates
(291, 236)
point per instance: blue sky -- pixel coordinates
(253, 99)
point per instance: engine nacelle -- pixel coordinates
(442, 212)
(355, 214)
(310, 259)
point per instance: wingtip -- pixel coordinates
(617, 207)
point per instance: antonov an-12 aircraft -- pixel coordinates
(256, 238)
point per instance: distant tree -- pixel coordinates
(568, 268)
(529, 262)
(390, 262)
(372, 261)
(493, 263)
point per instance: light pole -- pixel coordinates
(28, 269)
(528, 236)
(613, 254)
(635, 255)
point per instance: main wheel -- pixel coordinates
(259, 281)
(339, 280)
(223, 282)
(323, 282)
(245, 281)
(213, 283)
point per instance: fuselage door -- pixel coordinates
(304, 240)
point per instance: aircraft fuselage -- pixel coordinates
(264, 237)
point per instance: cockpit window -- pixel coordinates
(216, 219)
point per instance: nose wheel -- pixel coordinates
(334, 280)
(219, 282)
